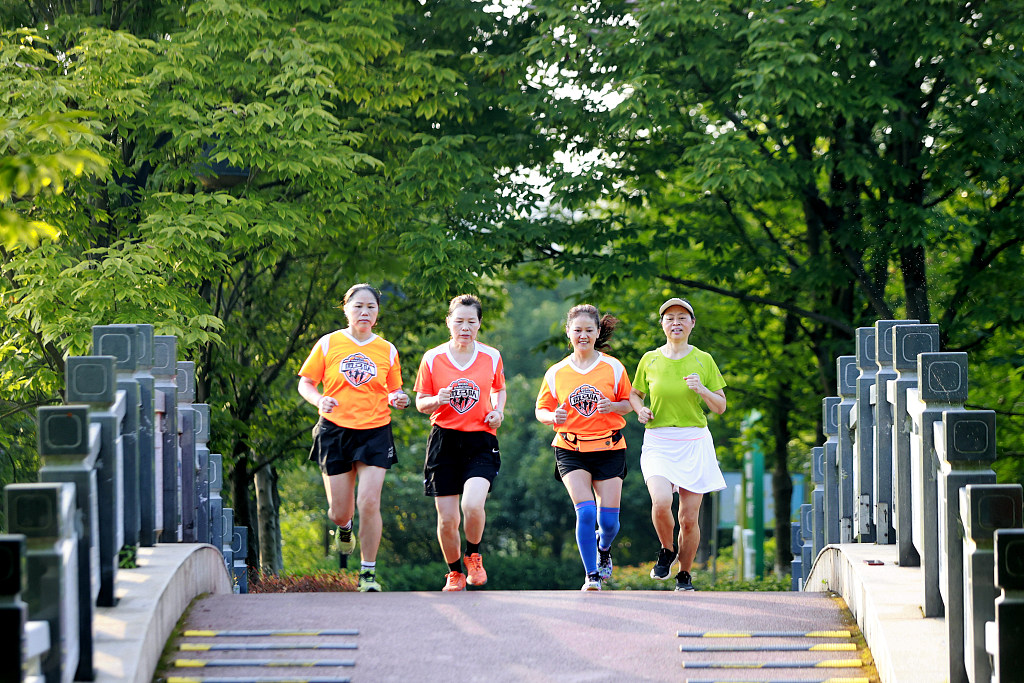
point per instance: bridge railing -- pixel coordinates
(125, 464)
(904, 464)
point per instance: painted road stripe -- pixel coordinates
(777, 680)
(331, 632)
(826, 664)
(764, 634)
(820, 647)
(257, 679)
(206, 647)
(195, 663)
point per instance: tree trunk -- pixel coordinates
(915, 283)
(269, 523)
(782, 484)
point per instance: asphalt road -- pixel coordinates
(497, 636)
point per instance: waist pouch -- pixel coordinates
(611, 440)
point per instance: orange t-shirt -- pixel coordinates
(471, 386)
(359, 375)
(579, 391)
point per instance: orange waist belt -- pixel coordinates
(609, 441)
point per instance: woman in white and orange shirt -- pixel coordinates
(584, 397)
(461, 383)
(352, 440)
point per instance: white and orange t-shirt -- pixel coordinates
(471, 386)
(359, 375)
(578, 391)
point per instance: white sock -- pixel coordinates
(369, 566)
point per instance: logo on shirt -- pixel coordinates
(465, 394)
(584, 399)
(358, 369)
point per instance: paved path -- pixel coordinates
(563, 636)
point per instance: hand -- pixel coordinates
(561, 415)
(604, 405)
(494, 419)
(644, 415)
(444, 396)
(693, 381)
(326, 404)
(398, 399)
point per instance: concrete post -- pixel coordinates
(45, 515)
(942, 386)
(201, 429)
(797, 566)
(965, 443)
(165, 372)
(240, 550)
(863, 434)
(882, 488)
(806, 537)
(69, 445)
(818, 498)
(216, 477)
(186, 382)
(228, 542)
(909, 341)
(830, 427)
(846, 377)
(1006, 640)
(983, 510)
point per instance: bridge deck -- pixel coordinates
(525, 635)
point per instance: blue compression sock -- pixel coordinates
(608, 526)
(586, 518)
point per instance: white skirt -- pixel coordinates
(683, 455)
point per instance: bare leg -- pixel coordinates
(689, 530)
(448, 527)
(340, 496)
(609, 492)
(660, 489)
(371, 481)
(474, 495)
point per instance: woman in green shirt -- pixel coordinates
(678, 452)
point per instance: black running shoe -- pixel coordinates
(663, 568)
(684, 582)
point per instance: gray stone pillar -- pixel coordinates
(882, 488)
(45, 515)
(965, 443)
(863, 423)
(69, 446)
(830, 427)
(909, 341)
(201, 429)
(797, 566)
(186, 382)
(983, 510)
(165, 372)
(818, 498)
(1005, 641)
(846, 378)
(942, 386)
(216, 477)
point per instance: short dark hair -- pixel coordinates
(466, 300)
(358, 288)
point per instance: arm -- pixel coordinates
(715, 400)
(606, 405)
(308, 391)
(551, 417)
(427, 403)
(494, 418)
(636, 401)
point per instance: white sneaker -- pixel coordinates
(593, 583)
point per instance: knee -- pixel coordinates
(368, 502)
(661, 506)
(687, 523)
(447, 523)
(335, 514)
(472, 510)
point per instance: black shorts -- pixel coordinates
(601, 464)
(336, 448)
(454, 457)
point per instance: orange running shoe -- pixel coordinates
(455, 581)
(477, 576)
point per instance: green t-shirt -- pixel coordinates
(663, 381)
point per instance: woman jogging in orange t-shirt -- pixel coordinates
(584, 397)
(352, 441)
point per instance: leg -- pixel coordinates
(371, 481)
(448, 527)
(609, 493)
(660, 489)
(689, 530)
(579, 483)
(340, 496)
(474, 495)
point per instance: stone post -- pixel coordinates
(830, 427)
(165, 372)
(863, 421)
(882, 488)
(818, 498)
(186, 382)
(846, 377)
(1005, 640)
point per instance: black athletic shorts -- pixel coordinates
(454, 457)
(336, 448)
(601, 464)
